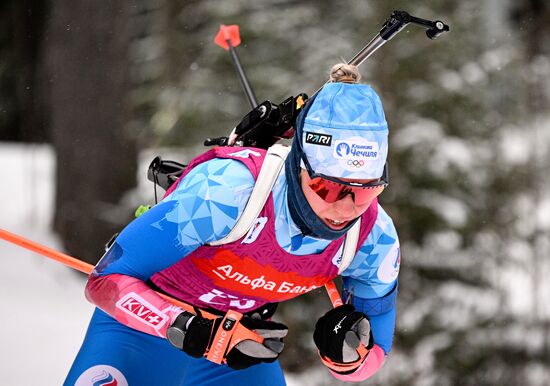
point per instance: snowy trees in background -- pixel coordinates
(468, 195)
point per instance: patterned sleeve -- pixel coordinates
(371, 279)
(203, 208)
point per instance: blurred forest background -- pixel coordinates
(103, 82)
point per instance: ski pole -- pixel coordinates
(333, 294)
(43, 250)
(69, 261)
(350, 338)
(87, 268)
(228, 38)
(240, 333)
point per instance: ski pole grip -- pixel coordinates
(223, 336)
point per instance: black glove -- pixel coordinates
(248, 352)
(194, 334)
(340, 331)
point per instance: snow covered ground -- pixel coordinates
(44, 312)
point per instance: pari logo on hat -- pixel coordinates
(318, 138)
(355, 153)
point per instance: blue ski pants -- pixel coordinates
(113, 354)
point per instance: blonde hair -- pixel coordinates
(344, 73)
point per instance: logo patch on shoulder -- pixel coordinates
(255, 231)
(318, 139)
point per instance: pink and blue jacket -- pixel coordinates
(167, 248)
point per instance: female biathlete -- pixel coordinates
(327, 188)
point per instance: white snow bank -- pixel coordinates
(44, 312)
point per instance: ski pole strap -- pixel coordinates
(222, 338)
(229, 334)
(349, 367)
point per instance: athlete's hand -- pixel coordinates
(248, 352)
(339, 332)
(193, 334)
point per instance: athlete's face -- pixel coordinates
(338, 213)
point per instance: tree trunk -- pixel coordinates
(23, 110)
(96, 159)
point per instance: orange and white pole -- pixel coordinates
(71, 261)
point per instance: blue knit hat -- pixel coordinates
(345, 134)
